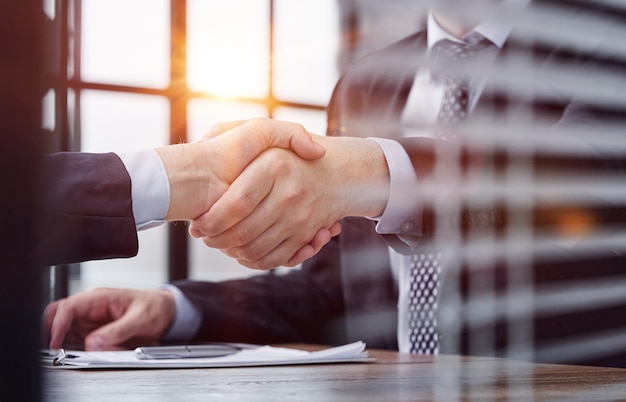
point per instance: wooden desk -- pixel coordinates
(392, 377)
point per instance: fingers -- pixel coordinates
(48, 316)
(256, 227)
(238, 202)
(335, 229)
(108, 317)
(61, 316)
(322, 237)
(128, 326)
(200, 173)
(221, 128)
(289, 252)
(254, 201)
(248, 139)
(270, 228)
(148, 314)
(268, 213)
(145, 317)
(266, 216)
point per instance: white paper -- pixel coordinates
(254, 356)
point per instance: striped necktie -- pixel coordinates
(455, 102)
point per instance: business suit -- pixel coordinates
(347, 292)
(86, 209)
(361, 97)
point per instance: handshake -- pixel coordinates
(268, 193)
(265, 192)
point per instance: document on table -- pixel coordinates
(246, 355)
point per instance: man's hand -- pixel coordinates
(200, 173)
(280, 201)
(104, 318)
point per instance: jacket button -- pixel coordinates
(407, 227)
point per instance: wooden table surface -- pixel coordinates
(391, 377)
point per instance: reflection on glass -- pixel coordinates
(228, 47)
(47, 106)
(203, 113)
(126, 42)
(48, 8)
(113, 121)
(306, 38)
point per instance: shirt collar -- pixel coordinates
(496, 27)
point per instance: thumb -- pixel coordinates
(251, 138)
(221, 128)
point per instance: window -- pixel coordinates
(145, 73)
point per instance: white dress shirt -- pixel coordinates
(150, 187)
(418, 118)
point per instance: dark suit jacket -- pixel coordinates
(342, 294)
(86, 209)
(347, 292)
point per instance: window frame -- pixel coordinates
(70, 85)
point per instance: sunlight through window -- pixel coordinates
(228, 47)
(129, 47)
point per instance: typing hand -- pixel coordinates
(104, 318)
(281, 201)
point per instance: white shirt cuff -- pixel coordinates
(186, 319)
(401, 206)
(150, 187)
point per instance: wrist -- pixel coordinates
(168, 301)
(185, 319)
(360, 175)
(189, 178)
(163, 303)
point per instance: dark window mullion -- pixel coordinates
(76, 60)
(178, 255)
(178, 95)
(61, 123)
(271, 100)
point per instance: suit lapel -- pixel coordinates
(370, 99)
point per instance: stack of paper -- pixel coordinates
(250, 355)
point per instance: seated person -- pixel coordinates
(91, 211)
(355, 288)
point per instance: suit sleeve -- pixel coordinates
(304, 305)
(86, 209)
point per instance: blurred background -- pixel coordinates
(146, 73)
(133, 74)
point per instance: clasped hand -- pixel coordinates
(202, 172)
(261, 204)
(276, 193)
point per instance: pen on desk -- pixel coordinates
(184, 351)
